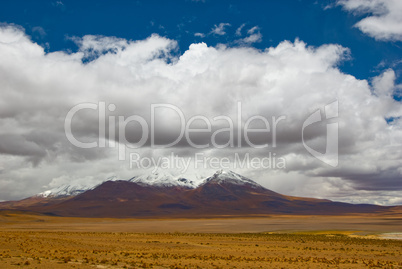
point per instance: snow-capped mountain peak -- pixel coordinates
(65, 190)
(72, 189)
(161, 178)
(157, 178)
(222, 176)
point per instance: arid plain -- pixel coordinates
(276, 241)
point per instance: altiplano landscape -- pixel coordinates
(195, 250)
(227, 221)
(37, 241)
(200, 134)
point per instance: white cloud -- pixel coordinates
(199, 35)
(254, 36)
(220, 29)
(253, 30)
(385, 17)
(385, 83)
(291, 79)
(238, 30)
(39, 31)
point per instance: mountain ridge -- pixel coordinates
(225, 193)
(153, 178)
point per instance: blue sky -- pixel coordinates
(278, 58)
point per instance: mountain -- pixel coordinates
(164, 195)
(72, 189)
(158, 178)
(222, 177)
(54, 195)
(165, 179)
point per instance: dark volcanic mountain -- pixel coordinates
(223, 194)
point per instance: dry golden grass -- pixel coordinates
(41, 249)
(37, 241)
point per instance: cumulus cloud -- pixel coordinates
(385, 17)
(292, 80)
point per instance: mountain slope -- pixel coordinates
(223, 194)
(64, 192)
(117, 199)
(72, 189)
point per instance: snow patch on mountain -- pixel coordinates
(71, 189)
(157, 178)
(222, 176)
(162, 178)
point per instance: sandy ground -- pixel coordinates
(35, 241)
(363, 223)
